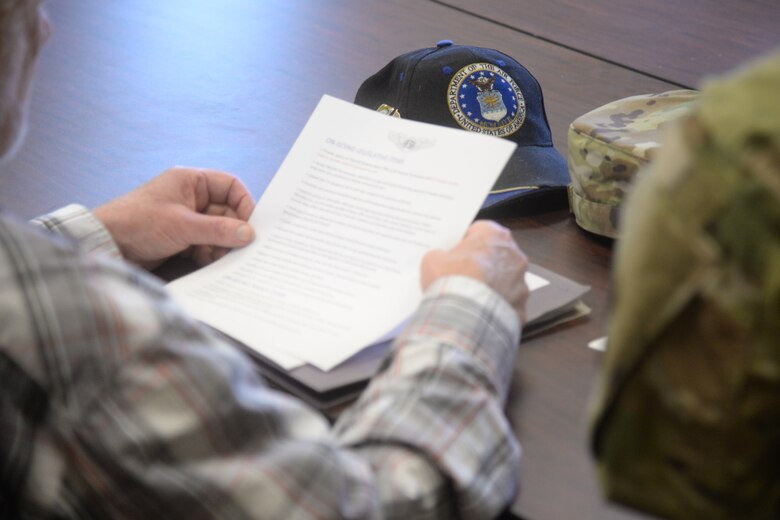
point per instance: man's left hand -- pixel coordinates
(193, 210)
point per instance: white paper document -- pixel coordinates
(340, 233)
(599, 344)
(534, 281)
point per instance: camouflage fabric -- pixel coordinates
(687, 416)
(608, 145)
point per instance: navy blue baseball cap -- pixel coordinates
(479, 90)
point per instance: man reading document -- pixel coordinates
(116, 403)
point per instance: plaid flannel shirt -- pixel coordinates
(115, 403)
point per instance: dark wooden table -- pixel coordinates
(128, 88)
(680, 41)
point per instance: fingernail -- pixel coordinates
(244, 233)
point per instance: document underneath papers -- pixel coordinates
(554, 300)
(535, 282)
(340, 233)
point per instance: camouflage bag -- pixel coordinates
(608, 145)
(687, 415)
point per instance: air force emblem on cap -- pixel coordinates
(484, 99)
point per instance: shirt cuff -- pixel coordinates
(468, 316)
(79, 224)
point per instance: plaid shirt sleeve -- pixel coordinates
(77, 223)
(150, 415)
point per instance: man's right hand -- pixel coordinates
(489, 254)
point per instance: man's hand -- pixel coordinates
(488, 253)
(198, 211)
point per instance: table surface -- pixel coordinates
(128, 88)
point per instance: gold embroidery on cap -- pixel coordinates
(507, 190)
(388, 110)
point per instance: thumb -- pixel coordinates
(213, 230)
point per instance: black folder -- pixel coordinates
(555, 303)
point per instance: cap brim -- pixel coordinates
(530, 171)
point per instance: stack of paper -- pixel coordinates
(554, 300)
(340, 233)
